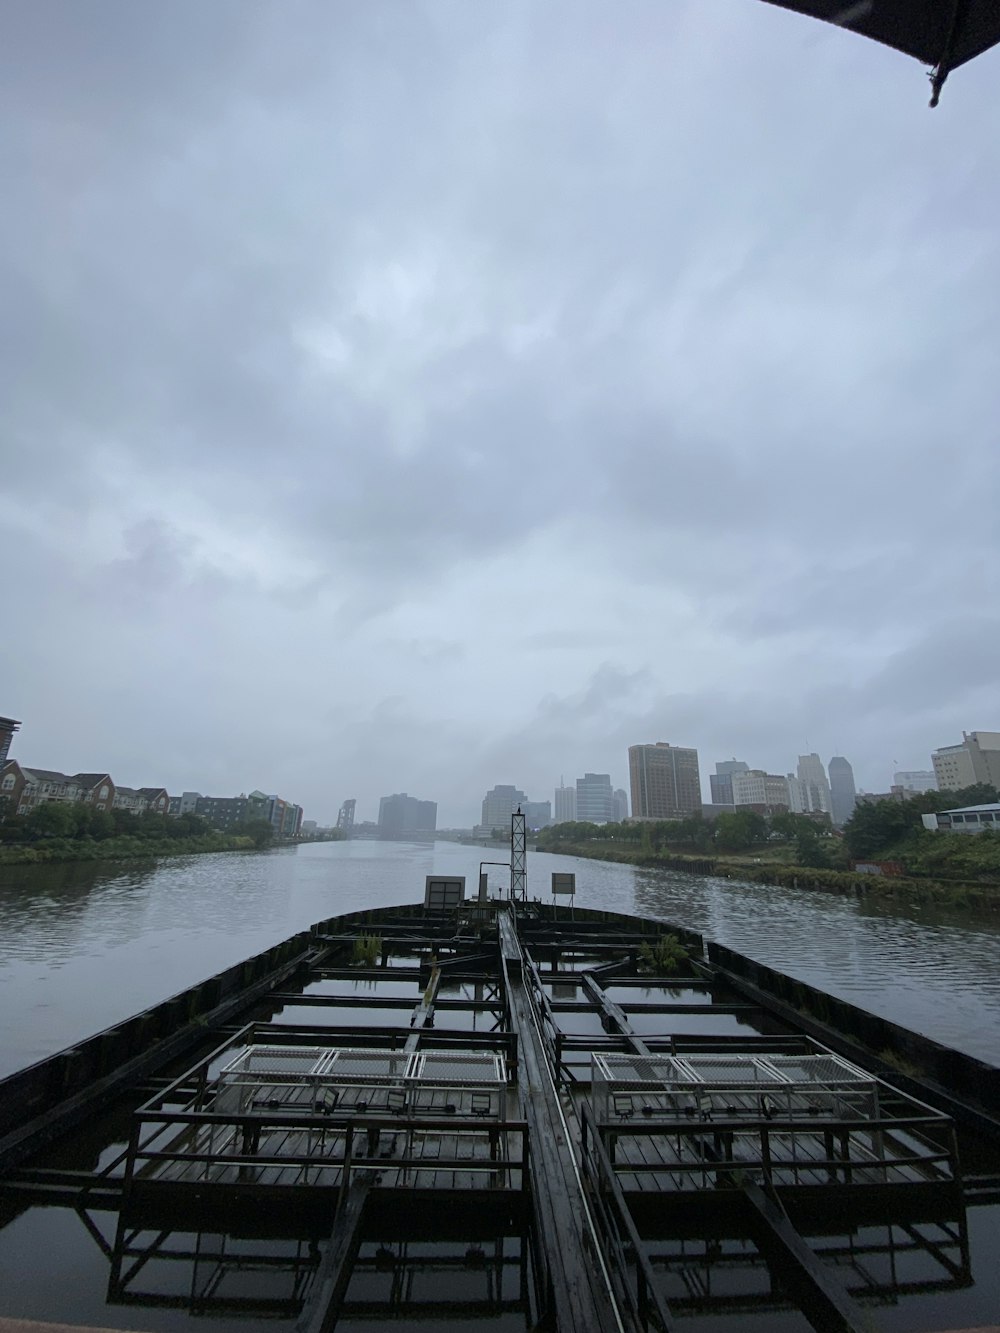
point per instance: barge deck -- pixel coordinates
(492, 1112)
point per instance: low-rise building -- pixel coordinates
(156, 800)
(713, 809)
(968, 819)
(228, 812)
(766, 793)
(975, 759)
(129, 799)
(26, 788)
(915, 780)
(185, 804)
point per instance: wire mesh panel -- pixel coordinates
(305, 1078)
(366, 1066)
(320, 1081)
(278, 1061)
(268, 1075)
(732, 1069)
(459, 1067)
(621, 1085)
(742, 1085)
(468, 1084)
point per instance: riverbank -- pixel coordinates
(125, 848)
(923, 892)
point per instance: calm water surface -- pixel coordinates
(84, 946)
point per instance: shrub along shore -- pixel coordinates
(924, 892)
(126, 848)
(60, 831)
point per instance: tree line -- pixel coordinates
(78, 822)
(739, 831)
(876, 831)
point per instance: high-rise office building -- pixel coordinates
(499, 804)
(721, 781)
(665, 780)
(7, 728)
(843, 793)
(402, 815)
(814, 786)
(976, 759)
(537, 814)
(565, 804)
(594, 799)
(619, 799)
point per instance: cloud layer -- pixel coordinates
(422, 395)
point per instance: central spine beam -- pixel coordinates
(579, 1294)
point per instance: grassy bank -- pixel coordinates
(925, 892)
(126, 848)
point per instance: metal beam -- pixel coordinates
(332, 1280)
(823, 1300)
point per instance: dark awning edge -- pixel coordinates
(940, 33)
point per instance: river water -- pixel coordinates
(83, 946)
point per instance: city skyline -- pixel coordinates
(811, 787)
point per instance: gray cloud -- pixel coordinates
(492, 388)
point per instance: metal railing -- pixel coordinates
(624, 1248)
(232, 1148)
(721, 1152)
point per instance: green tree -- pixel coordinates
(54, 819)
(153, 825)
(125, 821)
(739, 831)
(809, 846)
(876, 825)
(188, 825)
(261, 830)
(788, 825)
(101, 825)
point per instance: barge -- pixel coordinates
(499, 1113)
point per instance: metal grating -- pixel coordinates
(729, 1070)
(819, 1069)
(310, 1065)
(650, 1070)
(352, 1066)
(458, 1067)
(268, 1061)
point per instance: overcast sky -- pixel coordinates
(417, 396)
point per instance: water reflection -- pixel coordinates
(84, 946)
(935, 972)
